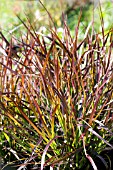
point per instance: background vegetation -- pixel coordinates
(35, 11)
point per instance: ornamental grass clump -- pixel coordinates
(56, 98)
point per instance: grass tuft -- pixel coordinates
(56, 97)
